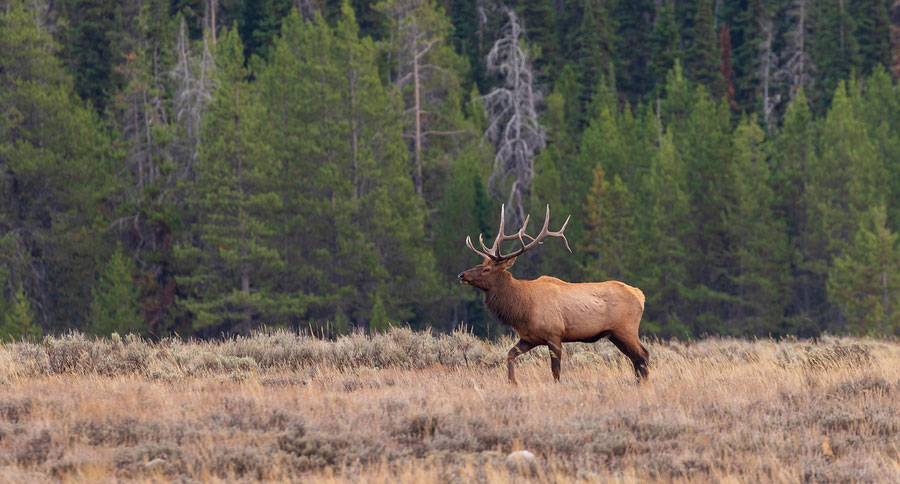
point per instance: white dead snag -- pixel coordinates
(797, 67)
(512, 113)
(193, 76)
(767, 61)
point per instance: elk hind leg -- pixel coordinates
(555, 358)
(636, 352)
(520, 348)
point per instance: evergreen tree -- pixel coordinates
(260, 22)
(55, 162)
(835, 50)
(758, 245)
(880, 108)
(747, 25)
(609, 230)
(236, 201)
(795, 157)
(848, 178)
(90, 48)
(702, 137)
(592, 44)
(352, 223)
(661, 258)
(557, 163)
(115, 306)
(632, 59)
(466, 208)
(469, 37)
(665, 45)
(872, 33)
(539, 18)
(18, 322)
(702, 59)
(865, 280)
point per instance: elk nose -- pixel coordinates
(459, 276)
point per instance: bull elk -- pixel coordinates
(549, 311)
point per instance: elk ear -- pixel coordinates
(509, 263)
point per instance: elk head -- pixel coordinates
(494, 264)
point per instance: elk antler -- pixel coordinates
(494, 251)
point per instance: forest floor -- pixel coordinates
(410, 407)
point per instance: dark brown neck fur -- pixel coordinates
(508, 302)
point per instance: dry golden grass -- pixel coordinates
(287, 408)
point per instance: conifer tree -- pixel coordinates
(55, 162)
(115, 306)
(849, 177)
(864, 281)
(634, 22)
(539, 18)
(835, 49)
(592, 44)
(880, 109)
(702, 137)
(872, 33)
(236, 201)
(795, 156)
(665, 45)
(352, 223)
(661, 259)
(758, 245)
(702, 59)
(609, 230)
(18, 322)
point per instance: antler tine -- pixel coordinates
(495, 249)
(483, 247)
(561, 234)
(522, 231)
(469, 245)
(520, 235)
(545, 231)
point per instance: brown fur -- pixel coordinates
(548, 311)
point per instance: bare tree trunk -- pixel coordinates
(140, 169)
(766, 67)
(418, 114)
(354, 128)
(148, 148)
(213, 5)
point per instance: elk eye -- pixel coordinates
(486, 270)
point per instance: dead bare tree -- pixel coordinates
(512, 113)
(307, 8)
(797, 66)
(424, 64)
(193, 76)
(767, 61)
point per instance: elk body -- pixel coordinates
(549, 311)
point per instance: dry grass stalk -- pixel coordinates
(412, 407)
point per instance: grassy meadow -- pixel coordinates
(411, 407)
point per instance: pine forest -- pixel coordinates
(213, 167)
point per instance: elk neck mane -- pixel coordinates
(508, 301)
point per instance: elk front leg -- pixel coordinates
(555, 358)
(520, 348)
